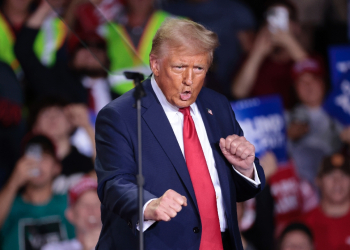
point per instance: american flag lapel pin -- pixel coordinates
(209, 111)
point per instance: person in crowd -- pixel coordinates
(296, 236)
(266, 69)
(85, 16)
(129, 41)
(30, 214)
(11, 122)
(329, 222)
(83, 80)
(55, 119)
(13, 14)
(50, 38)
(84, 214)
(233, 22)
(292, 195)
(62, 79)
(312, 132)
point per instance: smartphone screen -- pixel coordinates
(278, 19)
(34, 151)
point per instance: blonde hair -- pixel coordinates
(175, 33)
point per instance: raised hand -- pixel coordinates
(263, 44)
(240, 153)
(23, 171)
(165, 207)
(78, 115)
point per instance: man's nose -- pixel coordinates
(188, 77)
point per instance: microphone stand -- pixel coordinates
(138, 94)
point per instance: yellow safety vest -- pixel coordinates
(7, 41)
(124, 56)
(49, 40)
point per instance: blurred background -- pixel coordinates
(283, 64)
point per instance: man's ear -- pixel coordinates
(69, 215)
(154, 63)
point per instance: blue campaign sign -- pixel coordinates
(337, 103)
(339, 62)
(263, 124)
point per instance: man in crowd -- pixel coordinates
(84, 213)
(330, 221)
(35, 216)
(192, 182)
(129, 41)
(312, 132)
(55, 119)
(296, 236)
(81, 80)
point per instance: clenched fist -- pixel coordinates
(165, 207)
(240, 153)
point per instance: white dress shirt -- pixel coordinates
(176, 118)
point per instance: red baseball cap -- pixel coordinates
(85, 184)
(309, 65)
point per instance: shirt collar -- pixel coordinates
(168, 107)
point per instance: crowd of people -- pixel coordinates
(61, 61)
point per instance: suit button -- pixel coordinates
(196, 230)
(129, 224)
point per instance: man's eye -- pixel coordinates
(178, 67)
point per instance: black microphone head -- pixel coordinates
(136, 76)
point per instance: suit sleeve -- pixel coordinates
(116, 167)
(245, 190)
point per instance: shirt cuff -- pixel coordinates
(146, 223)
(256, 182)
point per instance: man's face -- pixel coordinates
(85, 213)
(335, 187)
(296, 240)
(53, 122)
(310, 89)
(180, 75)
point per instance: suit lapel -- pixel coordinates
(158, 123)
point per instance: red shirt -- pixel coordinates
(275, 78)
(329, 233)
(291, 195)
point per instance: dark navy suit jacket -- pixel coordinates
(164, 168)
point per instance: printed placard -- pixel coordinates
(262, 121)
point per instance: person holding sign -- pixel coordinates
(196, 162)
(312, 132)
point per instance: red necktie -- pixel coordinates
(202, 185)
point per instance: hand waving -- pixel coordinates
(240, 153)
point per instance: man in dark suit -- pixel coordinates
(196, 162)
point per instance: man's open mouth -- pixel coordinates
(186, 95)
